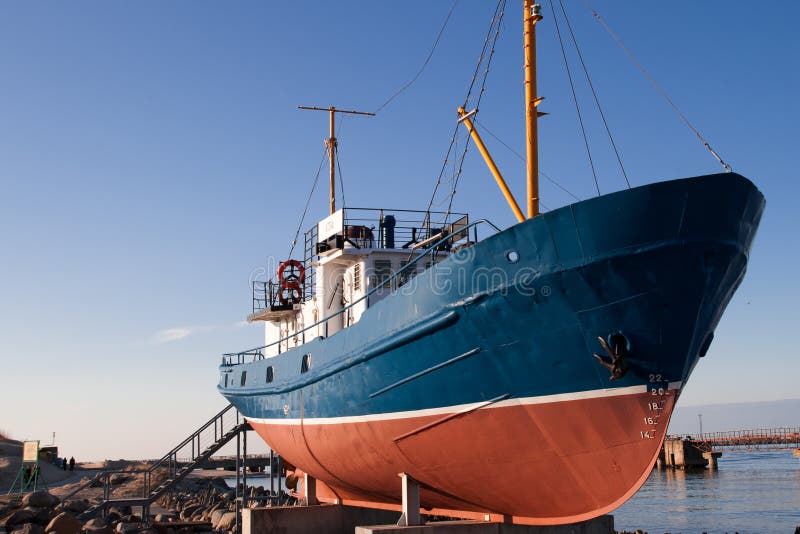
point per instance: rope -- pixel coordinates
(657, 86)
(594, 94)
(575, 99)
(522, 158)
(424, 64)
(308, 201)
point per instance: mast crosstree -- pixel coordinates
(332, 144)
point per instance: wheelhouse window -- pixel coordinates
(383, 271)
(357, 277)
(408, 274)
(243, 380)
(305, 365)
(270, 374)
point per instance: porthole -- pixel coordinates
(244, 378)
(512, 256)
(306, 363)
(270, 374)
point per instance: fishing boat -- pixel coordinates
(524, 374)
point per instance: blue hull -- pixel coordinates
(518, 315)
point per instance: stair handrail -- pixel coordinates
(171, 456)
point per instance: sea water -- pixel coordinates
(751, 492)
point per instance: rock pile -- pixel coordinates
(42, 513)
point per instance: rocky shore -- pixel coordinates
(200, 503)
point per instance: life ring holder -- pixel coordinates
(291, 275)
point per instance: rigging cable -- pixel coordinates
(495, 26)
(575, 99)
(424, 64)
(341, 177)
(594, 94)
(454, 137)
(657, 86)
(308, 201)
(521, 157)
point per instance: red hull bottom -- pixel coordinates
(533, 463)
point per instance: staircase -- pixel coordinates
(173, 467)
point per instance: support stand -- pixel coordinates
(410, 517)
(310, 490)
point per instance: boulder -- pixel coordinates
(77, 506)
(40, 499)
(187, 512)
(19, 517)
(119, 478)
(97, 529)
(64, 523)
(226, 522)
(121, 511)
(128, 528)
(131, 518)
(164, 518)
(29, 528)
(216, 515)
(41, 516)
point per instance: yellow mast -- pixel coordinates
(501, 183)
(531, 17)
(332, 144)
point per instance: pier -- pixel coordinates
(699, 451)
(685, 453)
(773, 438)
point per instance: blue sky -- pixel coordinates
(152, 158)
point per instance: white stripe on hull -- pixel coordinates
(446, 410)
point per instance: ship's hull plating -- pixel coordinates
(478, 379)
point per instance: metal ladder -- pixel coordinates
(173, 467)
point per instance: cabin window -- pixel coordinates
(383, 271)
(226, 379)
(270, 374)
(305, 365)
(357, 277)
(244, 378)
(408, 274)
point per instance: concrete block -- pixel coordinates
(599, 525)
(328, 518)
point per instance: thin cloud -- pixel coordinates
(172, 334)
(169, 335)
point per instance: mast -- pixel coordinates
(532, 15)
(332, 144)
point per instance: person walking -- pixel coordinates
(64, 464)
(72, 463)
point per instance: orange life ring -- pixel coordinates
(291, 284)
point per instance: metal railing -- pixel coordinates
(157, 478)
(399, 229)
(236, 358)
(781, 437)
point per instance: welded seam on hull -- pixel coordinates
(424, 372)
(449, 417)
(544, 399)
